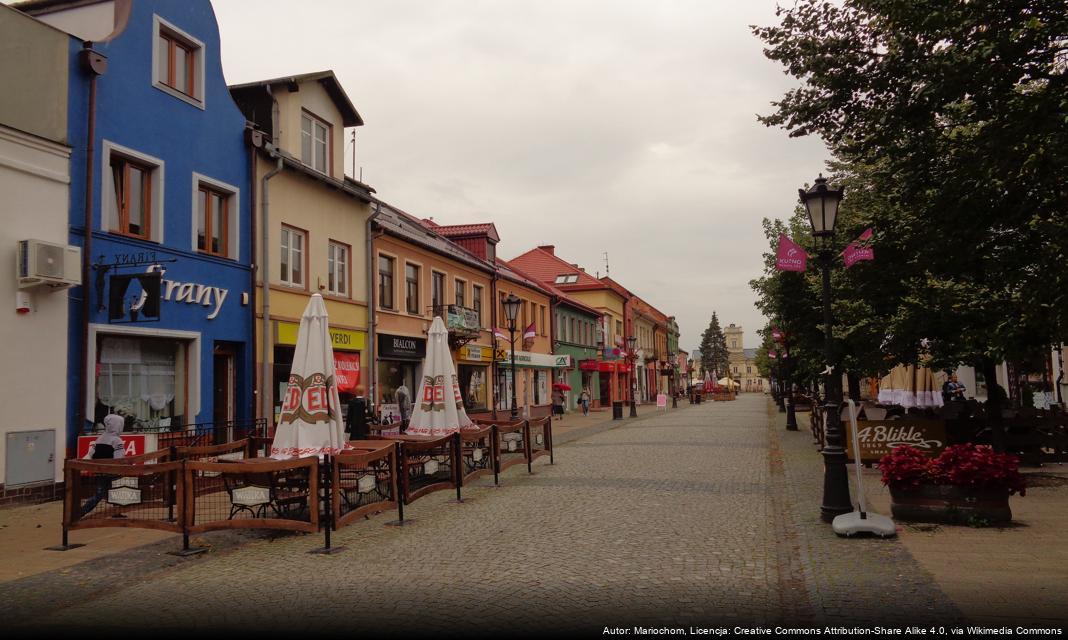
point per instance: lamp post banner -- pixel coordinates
(859, 249)
(790, 256)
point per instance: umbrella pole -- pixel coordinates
(398, 488)
(328, 521)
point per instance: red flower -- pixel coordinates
(961, 465)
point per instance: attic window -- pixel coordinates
(177, 63)
(567, 278)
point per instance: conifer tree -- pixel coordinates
(714, 347)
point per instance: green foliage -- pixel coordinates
(714, 348)
(947, 121)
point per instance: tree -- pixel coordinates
(714, 348)
(949, 121)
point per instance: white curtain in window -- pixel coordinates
(137, 377)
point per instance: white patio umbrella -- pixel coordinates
(310, 423)
(439, 407)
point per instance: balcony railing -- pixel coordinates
(460, 321)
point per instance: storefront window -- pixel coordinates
(141, 379)
(504, 388)
(541, 387)
(394, 375)
(474, 387)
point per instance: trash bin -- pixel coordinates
(617, 410)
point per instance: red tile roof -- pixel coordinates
(546, 266)
(457, 230)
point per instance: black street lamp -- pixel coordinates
(821, 202)
(631, 343)
(511, 310)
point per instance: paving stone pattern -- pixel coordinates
(705, 515)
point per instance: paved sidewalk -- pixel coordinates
(705, 515)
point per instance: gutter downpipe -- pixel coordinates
(91, 65)
(266, 404)
(496, 374)
(372, 320)
(252, 263)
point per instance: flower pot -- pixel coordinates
(949, 504)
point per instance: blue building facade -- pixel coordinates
(170, 195)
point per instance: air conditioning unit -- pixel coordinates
(47, 264)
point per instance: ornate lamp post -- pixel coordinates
(673, 360)
(632, 342)
(511, 310)
(821, 202)
(791, 416)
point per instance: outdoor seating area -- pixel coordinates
(196, 489)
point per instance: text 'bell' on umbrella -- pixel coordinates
(310, 421)
(439, 408)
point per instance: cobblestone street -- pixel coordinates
(704, 515)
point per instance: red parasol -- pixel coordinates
(561, 386)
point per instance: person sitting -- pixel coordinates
(107, 446)
(952, 390)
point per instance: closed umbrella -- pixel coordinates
(911, 386)
(310, 422)
(439, 407)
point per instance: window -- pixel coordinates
(461, 293)
(411, 287)
(143, 377)
(178, 63)
(314, 143)
(292, 257)
(571, 330)
(437, 290)
(619, 327)
(213, 221)
(385, 282)
(337, 267)
(541, 319)
(132, 206)
(533, 316)
(568, 278)
(476, 301)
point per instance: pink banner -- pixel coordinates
(790, 257)
(859, 249)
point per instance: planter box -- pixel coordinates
(950, 505)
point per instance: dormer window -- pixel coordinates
(178, 63)
(568, 278)
(314, 143)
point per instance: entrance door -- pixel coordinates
(606, 389)
(224, 393)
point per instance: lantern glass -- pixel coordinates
(821, 203)
(511, 309)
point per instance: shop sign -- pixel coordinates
(475, 353)
(341, 339)
(589, 365)
(124, 496)
(403, 347)
(529, 359)
(134, 444)
(879, 437)
(347, 371)
(188, 292)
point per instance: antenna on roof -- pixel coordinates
(354, 156)
(607, 271)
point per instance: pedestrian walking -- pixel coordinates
(584, 400)
(404, 404)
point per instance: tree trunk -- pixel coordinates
(995, 402)
(854, 386)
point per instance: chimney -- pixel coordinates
(548, 248)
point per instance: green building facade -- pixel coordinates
(576, 335)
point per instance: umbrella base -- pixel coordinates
(327, 551)
(400, 523)
(851, 524)
(191, 551)
(64, 547)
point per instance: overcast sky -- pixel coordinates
(621, 127)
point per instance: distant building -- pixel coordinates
(742, 362)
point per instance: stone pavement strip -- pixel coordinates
(705, 515)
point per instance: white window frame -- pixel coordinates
(233, 244)
(108, 214)
(444, 302)
(198, 99)
(331, 270)
(327, 129)
(303, 263)
(191, 338)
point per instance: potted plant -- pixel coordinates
(966, 483)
